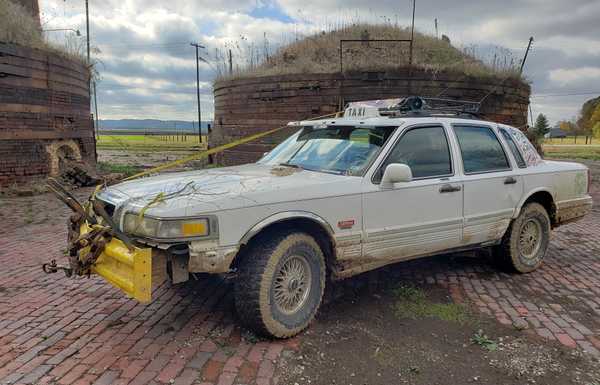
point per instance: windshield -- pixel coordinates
(344, 150)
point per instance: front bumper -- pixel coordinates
(129, 269)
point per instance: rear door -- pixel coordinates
(491, 188)
(419, 217)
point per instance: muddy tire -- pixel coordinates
(280, 284)
(524, 245)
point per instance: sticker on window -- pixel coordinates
(529, 152)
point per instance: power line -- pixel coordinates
(133, 45)
(566, 94)
(155, 90)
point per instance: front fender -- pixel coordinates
(283, 216)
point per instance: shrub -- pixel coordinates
(319, 53)
(18, 26)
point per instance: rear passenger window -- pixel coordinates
(425, 150)
(481, 150)
(513, 148)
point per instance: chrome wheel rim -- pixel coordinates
(530, 239)
(292, 285)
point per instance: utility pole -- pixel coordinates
(531, 115)
(412, 34)
(525, 57)
(87, 29)
(96, 110)
(198, 90)
(230, 64)
(91, 83)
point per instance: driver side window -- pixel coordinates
(425, 150)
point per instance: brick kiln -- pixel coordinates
(253, 104)
(45, 120)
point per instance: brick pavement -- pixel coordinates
(55, 330)
(62, 331)
(560, 301)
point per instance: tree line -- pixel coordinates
(587, 123)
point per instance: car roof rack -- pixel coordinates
(419, 106)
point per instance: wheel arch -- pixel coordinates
(545, 198)
(305, 221)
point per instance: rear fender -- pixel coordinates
(529, 195)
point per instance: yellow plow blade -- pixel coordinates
(129, 270)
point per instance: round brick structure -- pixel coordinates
(250, 105)
(44, 113)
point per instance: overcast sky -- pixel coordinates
(147, 65)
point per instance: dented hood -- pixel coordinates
(197, 192)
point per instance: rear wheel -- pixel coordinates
(280, 284)
(524, 245)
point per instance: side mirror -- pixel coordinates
(396, 173)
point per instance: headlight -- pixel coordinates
(167, 228)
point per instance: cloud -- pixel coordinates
(576, 76)
(146, 59)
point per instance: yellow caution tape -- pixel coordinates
(212, 151)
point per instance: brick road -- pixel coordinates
(61, 331)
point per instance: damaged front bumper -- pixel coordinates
(97, 246)
(95, 251)
(128, 268)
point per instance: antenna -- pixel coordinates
(525, 57)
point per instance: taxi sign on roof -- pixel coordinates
(369, 108)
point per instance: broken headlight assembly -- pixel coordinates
(169, 228)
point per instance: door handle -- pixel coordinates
(448, 188)
(510, 180)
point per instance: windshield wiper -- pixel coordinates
(335, 172)
(291, 165)
(328, 171)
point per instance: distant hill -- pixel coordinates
(151, 124)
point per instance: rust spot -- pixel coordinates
(284, 170)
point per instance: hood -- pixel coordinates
(203, 191)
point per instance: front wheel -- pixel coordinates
(524, 245)
(280, 284)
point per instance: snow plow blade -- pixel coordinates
(129, 270)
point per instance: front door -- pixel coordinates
(420, 217)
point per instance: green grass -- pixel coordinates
(114, 168)
(150, 142)
(484, 341)
(572, 152)
(413, 303)
(577, 140)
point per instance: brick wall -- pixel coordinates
(44, 99)
(251, 105)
